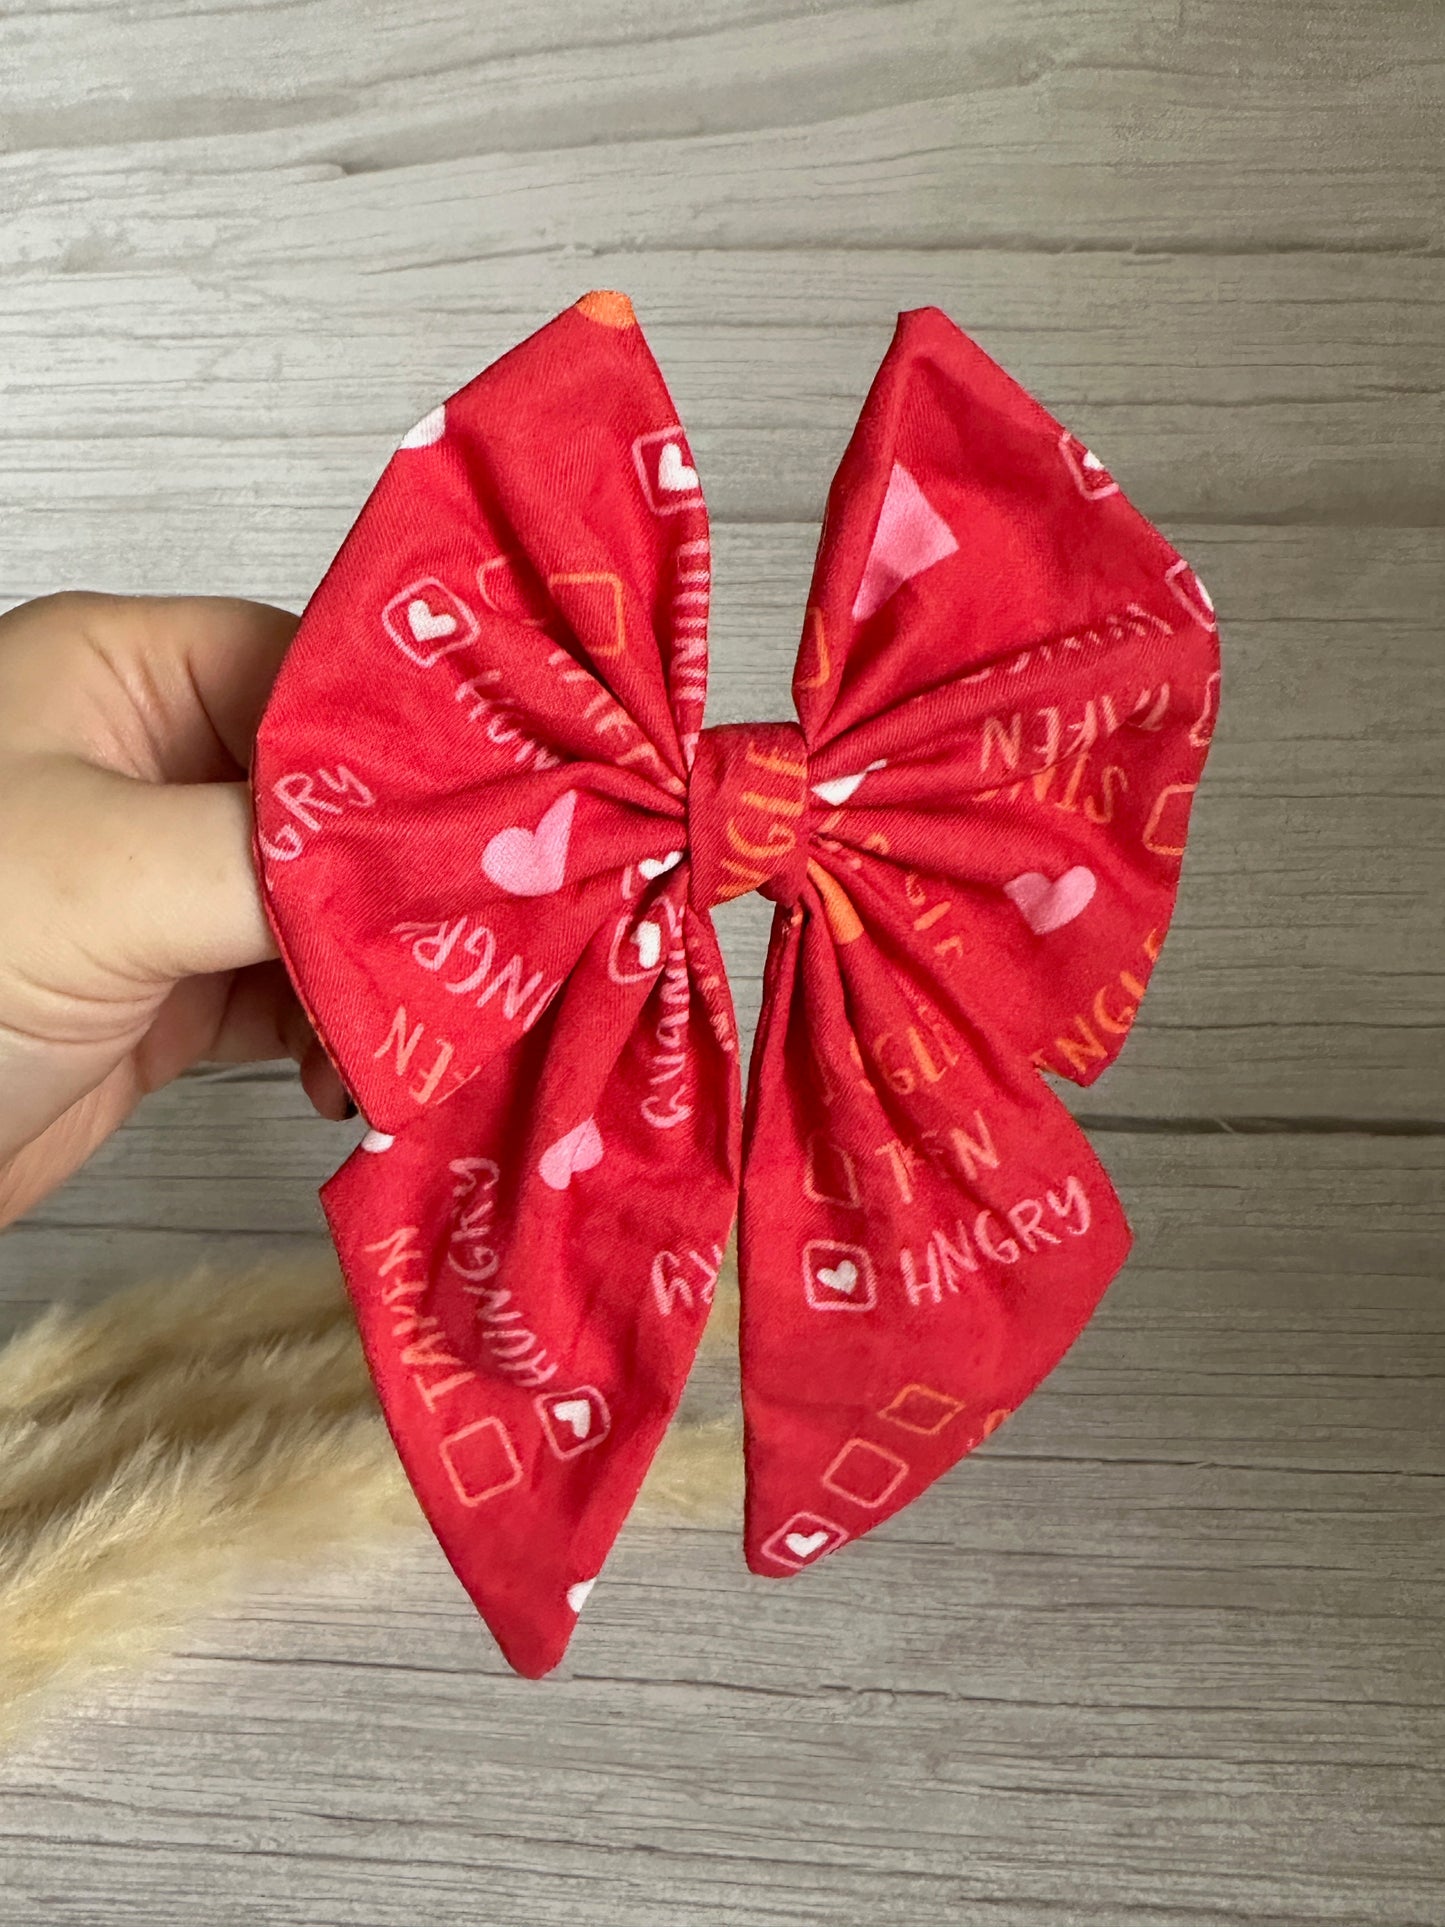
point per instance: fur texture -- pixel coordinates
(155, 1449)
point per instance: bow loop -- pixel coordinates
(490, 829)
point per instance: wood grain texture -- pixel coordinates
(1168, 1649)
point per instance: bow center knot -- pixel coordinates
(747, 807)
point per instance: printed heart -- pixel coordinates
(532, 863)
(577, 1595)
(1190, 591)
(579, 1150)
(1091, 478)
(1094, 478)
(672, 471)
(838, 789)
(575, 1412)
(425, 624)
(431, 428)
(653, 867)
(1049, 906)
(803, 1545)
(648, 938)
(840, 1277)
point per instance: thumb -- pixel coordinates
(173, 869)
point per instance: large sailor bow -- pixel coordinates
(491, 826)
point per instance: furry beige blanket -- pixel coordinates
(158, 1448)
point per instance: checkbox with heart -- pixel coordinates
(1090, 477)
(574, 1421)
(838, 1277)
(427, 620)
(803, 1540)
(664, 467)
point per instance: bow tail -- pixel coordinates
(531, 1267)
(924, 1233)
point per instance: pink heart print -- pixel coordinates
(532, 863)
(579, 1150)
(1049, 906)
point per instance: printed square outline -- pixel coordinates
(1073, 452)
(570, 1447)
(1183, 580)
(1156, 819)
(893, 1410)
(686, 498)
(591, 577)
(832, 1300)
(802, 1525)
(627, 929)
(820, 1140)
(900, 1471)
(1202, 731)
(394, 621)
(520, 581)
(469, 1498)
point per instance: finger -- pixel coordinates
(245, 1016)
(164, 872)
(323, 1084)
(248, 1017)
(264, 1019)
(166, 688)
(261, 1019)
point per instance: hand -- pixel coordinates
(132, 939)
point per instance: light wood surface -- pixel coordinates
(1168, 1649)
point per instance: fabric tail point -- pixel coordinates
(608, 307)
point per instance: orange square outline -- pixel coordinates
(923, 1431)
(879, 1451)
(466, 1432)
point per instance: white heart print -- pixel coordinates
(575, 1412)
(653, 867)
(532, 863)
(427, 624)
(672, 471)
(648, 938)
(804, 1544)
(578, 1150)
(838, 789)
(431, 428)
(840, 1277)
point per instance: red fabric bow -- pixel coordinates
(490, 827)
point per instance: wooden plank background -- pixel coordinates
(1167, 1649)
